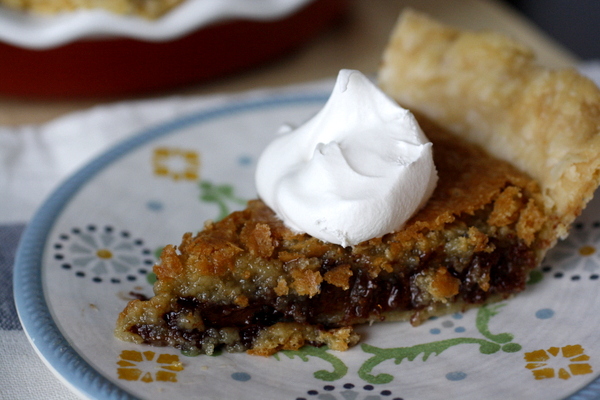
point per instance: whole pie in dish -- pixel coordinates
(144, 8)
(515, 147)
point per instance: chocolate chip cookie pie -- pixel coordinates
(516, 149)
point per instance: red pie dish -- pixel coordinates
(104, 64)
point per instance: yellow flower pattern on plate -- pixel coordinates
(139, 366)
(563, 362)
(177, 164)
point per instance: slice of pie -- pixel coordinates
(516, 148)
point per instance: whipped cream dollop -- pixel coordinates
(360, 168)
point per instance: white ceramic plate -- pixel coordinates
(91, 246)
(41, 32)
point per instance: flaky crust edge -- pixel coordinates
(488, 89)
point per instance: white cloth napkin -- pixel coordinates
(35, 159)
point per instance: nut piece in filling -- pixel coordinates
(248, 283)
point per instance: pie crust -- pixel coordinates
(515, 146)
(488, 89)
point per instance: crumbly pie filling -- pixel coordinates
(248, 277)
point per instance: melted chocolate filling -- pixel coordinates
(507, 266)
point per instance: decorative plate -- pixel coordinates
(91, 247)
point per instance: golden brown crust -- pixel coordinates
(487, 88)
(292, 336)
(469, 179)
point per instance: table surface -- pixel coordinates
(356, 42)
